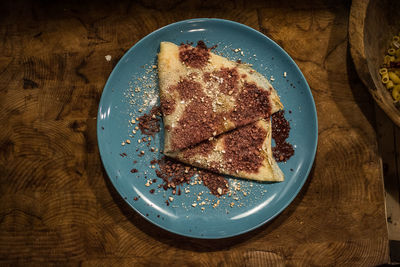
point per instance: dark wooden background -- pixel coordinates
(56, 203)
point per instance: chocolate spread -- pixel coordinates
(149, 124)
(242, 149)
(280, 132)
(195, 57)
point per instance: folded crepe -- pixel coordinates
(244, 152)
(204, 95)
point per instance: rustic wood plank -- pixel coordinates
(389, 145)
(57, 204)
(346, 161)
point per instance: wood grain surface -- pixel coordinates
(56, 203)
(389, 147)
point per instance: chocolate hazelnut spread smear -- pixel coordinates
(167, 106)
(195, 57)
(174, 174)
(280, 132)
(251, 103)
(149, 124)
(242, 149)
(188, 89)
(203, 148)
(216, 183)
(198, 123)
(227, 79)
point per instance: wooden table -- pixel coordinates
(56, 202)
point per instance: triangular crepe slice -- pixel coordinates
(203, 94)
(244, 152)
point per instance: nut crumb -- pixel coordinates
(216, 204)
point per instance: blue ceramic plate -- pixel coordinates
(132, 86)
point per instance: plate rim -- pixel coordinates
(308, 92)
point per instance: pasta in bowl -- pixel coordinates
(374, 45)
(390, 72)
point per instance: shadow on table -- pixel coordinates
(361, 95)
(202, 245)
